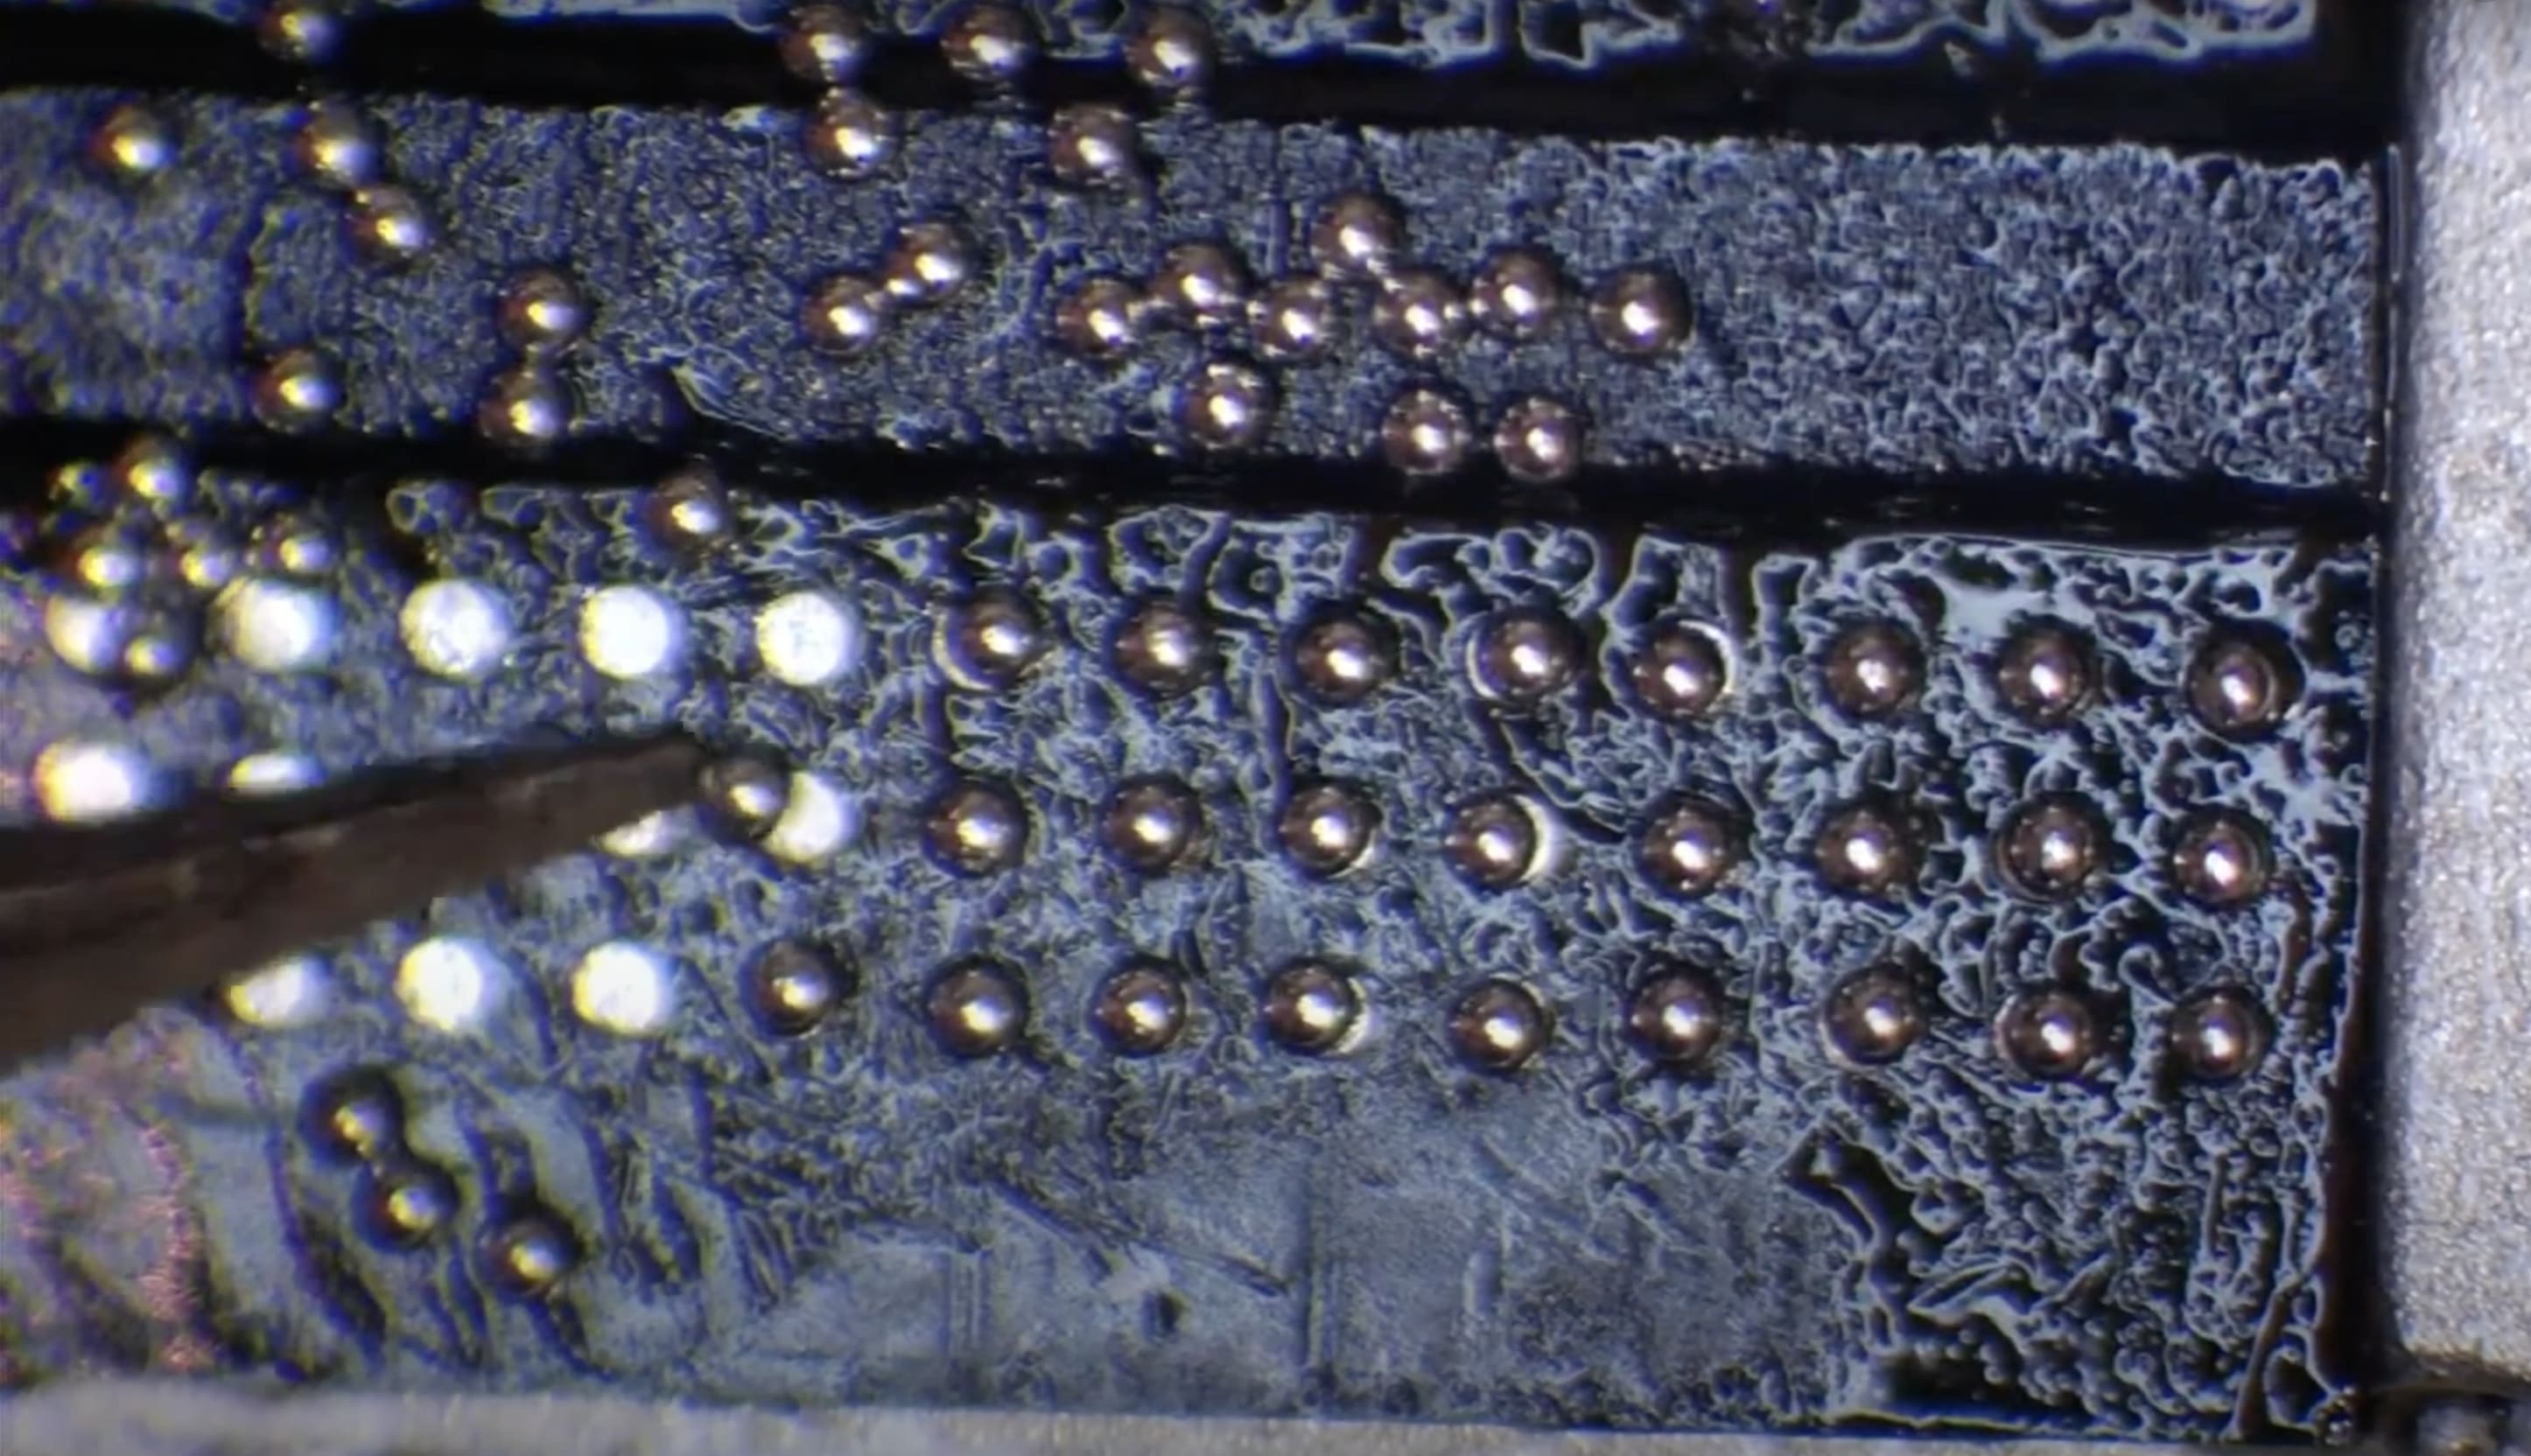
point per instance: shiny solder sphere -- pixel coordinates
(828, 44)
(153, 472)
(305, 32)
(1640, 313)
(1311, 1007)
(689, 512)
(1154, 825)
(1228, 407)
(405, 1203)
(1426, 433)
(1678, 1016)
(2218, 1036)
(526, 410)
(1524, 657)
(1100, 318)
(744, 795)
(1093, 144)
(2240, 685)
(1873, 669)
(845, 315)
(1517, 294)
(978, 1010)
(543, 311)
(1688, 848)
(1868, 849)
(795, 989)
(1418, 315)
(2221, 858)
(135, 143)
(530, 1254)
(296, 544)
(977, 828)
(993, 638)
(1140, 1010)
(990, 45)
(1342, 657)
(336, 146)
(1500, 1025)
(1201, 284)
(2044, 673)
(1327, 828)
(928, 264)
(2049, 1032)
(1681, 671)
(1493, 842)
(850, 135)
(2052, 847)
(1358, 234)
(108, 559)
(1874, 1017)
(356, 1117)
(1295, 320)
(1539, 441)
(1164, 649)
(389, 226)
(1171, 51)
(296, 390)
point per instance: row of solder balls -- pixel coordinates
(1677, 1015)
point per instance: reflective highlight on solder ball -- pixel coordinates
(456, 629)
(448, 983)
(807, 639)
(631, 632)
(83, 781)
(624, 987)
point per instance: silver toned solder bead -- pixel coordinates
(846, 316)
(1295, 320)
(2219, 1036)
(336, 146)
(1164, 649)
(356, 1117)
(1539, 441)
(1868, 849)
(1426, 433)
(977, 828)
(1689, 848)
(1154, 825)
(795, 989)
(1678, 1017)
(1100, 318)
(530, 1254)
(828, 44)
(1640, 313)
(1171, 51)
(931, 262)
(744, 795)
(2048, 1033)
(406, 1203)
(1873, 669)
(1358, 234)
(1342, 657)
(1418, 315)
(1524, 655)
(990, 640)
(1311, 1007)
(1093, 145)
(1142, 1010)
(527, 409)
(850, 136)
(690, 512)
(1872, 1018)
(153, 472)
(305, 32)
(1201, 285)
(297, 390)
(1682, 671)
(2052, 847)
(1500, 1025)
(2240, 685)
(1228, 406)
(2222, 859)
(1494, 842)
(134, 144)
(1328, 829)
(542, 312)
(990, 45)
(389, 226)
(2044, 673)
(1517, 294)
(978, 1010)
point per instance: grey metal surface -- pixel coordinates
(2456, 1129)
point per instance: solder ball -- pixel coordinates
(744, 795)
(1327, 828)
(406, 1203)
(1539, 441)
(1154, 825)
(306, 32)
(1517, 294)
(2221, 858)
(1100, 318)
(296, 390)
(1142, 1010)
(846, 316)
(991, 638)
(1873, 669)
(1871, 1019)
(990, 45)
(1426, 433)
(356, 1117)
(1228, 407)
(1093, 144)
(1418, 315)
(1677, 1017)
(2053, 847)
(389, 226)
(929, 263)
(2044, 673)
(795, 989)
(1171, 52)
(1311, 1007)
(2219, 1036)
(135, 143)
(1164, 649)
(828, 44)
(2051, 1033)
(527, 409)
(1640, 313)
(1295, 320)
(1343, 658)
(1493, 842)
(1523, 656)
(1500, 1025)
(336, 146)
(1868, 849)
(529, 1255)
(1201, 284)
(689, 512)
(977, 828)
(1689, 848)
(1681, 671)
(850, 136)
(1358, 234)
(2241, 684)
(543, 311)
(978, 1010)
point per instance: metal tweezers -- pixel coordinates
(97, 923)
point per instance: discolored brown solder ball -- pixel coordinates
(1201, 285)
(1523, 656)
(1328, 829)
(1154, 825)
(304, 33)
(405, 1203)
(1678, 1015)
(356, 1117)
(1500, 1025)
(1868, 849)
(2044, 673)
(1681, 671)
(296, 390)
(1343, 656)
(1294, 319)
(1093, 144)
(2221, 858)
(977, 828)
(133, 143)
(990, 45)
(993, 638)
(530, 1254)
(1171, 52)
(1873, 669)
(1164, 649)
(542, 312)
(1688, 848)
(2049, 1032)
(850, 136)
(389, 226)
(978, 1010)
(744, 796)
(1358, 234)
(1872, 1017)
(336, 146)
(2053, 846)
(1142, 1010)
(828, 44)
(689, 512)
(2241, 684)
(929, 263)
(1311, 1007)
(795, 989)
(1493, 842)
(527, 409)
(2219, 1036)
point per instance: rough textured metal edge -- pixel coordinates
(2112, 311)
(2455, 1138)
(161, 1419)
